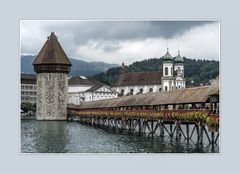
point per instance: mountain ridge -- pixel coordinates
(79, 67)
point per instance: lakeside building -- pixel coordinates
(28, 88)
(82, 89)
(172, 78)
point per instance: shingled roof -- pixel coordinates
(28, 78)
(52, 53)
(79, 80)
(139, 78)
(188, 95)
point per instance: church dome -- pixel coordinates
(178, 59)
(167, 56)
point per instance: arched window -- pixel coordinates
(166, 71)
(150, 90)
(141, 91)
(160, 89)
(122, 91)
(131, 91)
(166, 88)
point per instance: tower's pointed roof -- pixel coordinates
(179, 59)
(52, 53)
(167, 56)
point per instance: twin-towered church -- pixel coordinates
(172, 78)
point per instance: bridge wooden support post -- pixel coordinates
(121, 121)
(177, 130)
(139, 126)
(201, 134)
(161, 128)
(198, 134)
(144, 126)
(125, 124)
(212, 138)
(115, 123)
(108, 122)
(92, 122)
(216, 139)
(131, 124)
(187, 130)
(171, 130)
(152, 128)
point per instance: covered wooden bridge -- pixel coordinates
(178, 99)
(158, 113)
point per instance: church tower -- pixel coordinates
(52, 66)
(167, 79)
(179, 69)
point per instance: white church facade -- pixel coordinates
(172, 78)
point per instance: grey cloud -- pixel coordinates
(111, 40)
(119, 30)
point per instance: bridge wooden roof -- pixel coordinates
(183, 96)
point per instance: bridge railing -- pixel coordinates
(202, 116)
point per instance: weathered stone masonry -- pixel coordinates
(52, 96)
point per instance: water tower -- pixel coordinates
(52, 66)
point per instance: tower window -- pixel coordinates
(166, 88)
(166, 71)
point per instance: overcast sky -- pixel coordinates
(115, 42)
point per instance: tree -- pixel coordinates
(200, 71)
(26, 107)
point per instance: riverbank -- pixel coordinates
(26, 116)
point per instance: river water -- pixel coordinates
(72, 137)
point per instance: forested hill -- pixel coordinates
(200, 71)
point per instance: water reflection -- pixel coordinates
(62, 136)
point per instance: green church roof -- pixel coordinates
(178, 59)
(167, 56)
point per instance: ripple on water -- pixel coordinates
(72, 137)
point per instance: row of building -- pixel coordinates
(80, 89)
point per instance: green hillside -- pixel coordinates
(200, 71)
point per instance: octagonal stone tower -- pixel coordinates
(52, 66)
